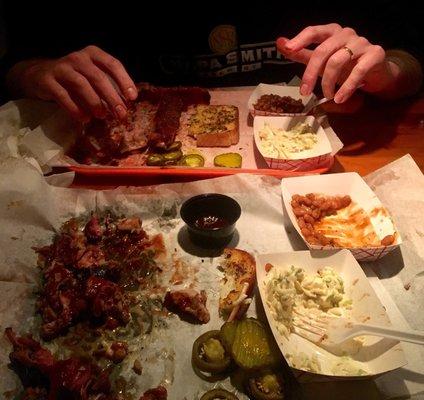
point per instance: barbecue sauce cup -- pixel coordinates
(211, 219)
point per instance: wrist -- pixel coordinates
(404, 74)
(20, 76)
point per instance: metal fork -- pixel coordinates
(332, 330)
(310, 107)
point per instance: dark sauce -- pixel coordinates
(210, 222)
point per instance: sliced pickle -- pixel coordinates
(228, 160)
(228, 333)
(252, 347)
(192, 160)
(155, 160)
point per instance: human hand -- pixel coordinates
(81, 83)
(341, 57)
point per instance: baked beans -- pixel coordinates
(311, 208)
(279, 104)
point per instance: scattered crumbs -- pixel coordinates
(365, 319)
(14, 238)
(355, 281)
(137, 368)
(364, 295)
(15, 203)
(240, 148)
(407, 286)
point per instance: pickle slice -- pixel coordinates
(228, 333)
(192, 160)
(228, 160)
(252, 346)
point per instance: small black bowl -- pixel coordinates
(211, 219)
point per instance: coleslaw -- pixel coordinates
(281, 143)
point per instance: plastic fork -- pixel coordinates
(331, 330)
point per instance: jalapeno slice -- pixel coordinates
(269, 386)
(172, 157)
(155, 159)
(192, 160)
(174, 146)
(209, 355)
(216, 394)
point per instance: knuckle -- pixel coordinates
(312, 30)
(321, 51)
(334, 62)
(113, 63)
(90, 49)
(379, 51)
(61, 68)
(361, 69)
(78, 81)
(349, 31)
(335, 26)
(74, 57)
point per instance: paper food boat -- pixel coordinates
(280, 90)
(339, 185)
(318, 156)
(375, 356)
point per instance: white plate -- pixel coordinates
(376, 355)
(313, 158)
(339, 185)
(292, 91)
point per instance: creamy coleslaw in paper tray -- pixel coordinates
(292, 292)
(295, 285)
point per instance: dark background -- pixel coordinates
(138, 33)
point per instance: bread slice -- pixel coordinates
(214, 125)
(239, 280)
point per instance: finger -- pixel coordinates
(312, 34)
(338, 63)
(320, 56)
(364, 65)
(81, 88)
(106, 91)
(61, 96)
(301, 56)
(116, 70)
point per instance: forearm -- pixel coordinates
(404, 76)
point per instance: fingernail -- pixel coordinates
(304, 89)
(339, 98)
(131, 94)
(120, 111)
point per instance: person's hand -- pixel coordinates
(341, 57)
(86, 83)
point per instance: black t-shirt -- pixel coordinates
(208, 43)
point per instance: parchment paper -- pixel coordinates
(31, 210)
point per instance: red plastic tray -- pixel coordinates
(195, 173)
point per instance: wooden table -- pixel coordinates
(374, 133)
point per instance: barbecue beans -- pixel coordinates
(311, 208)
(277, 104)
